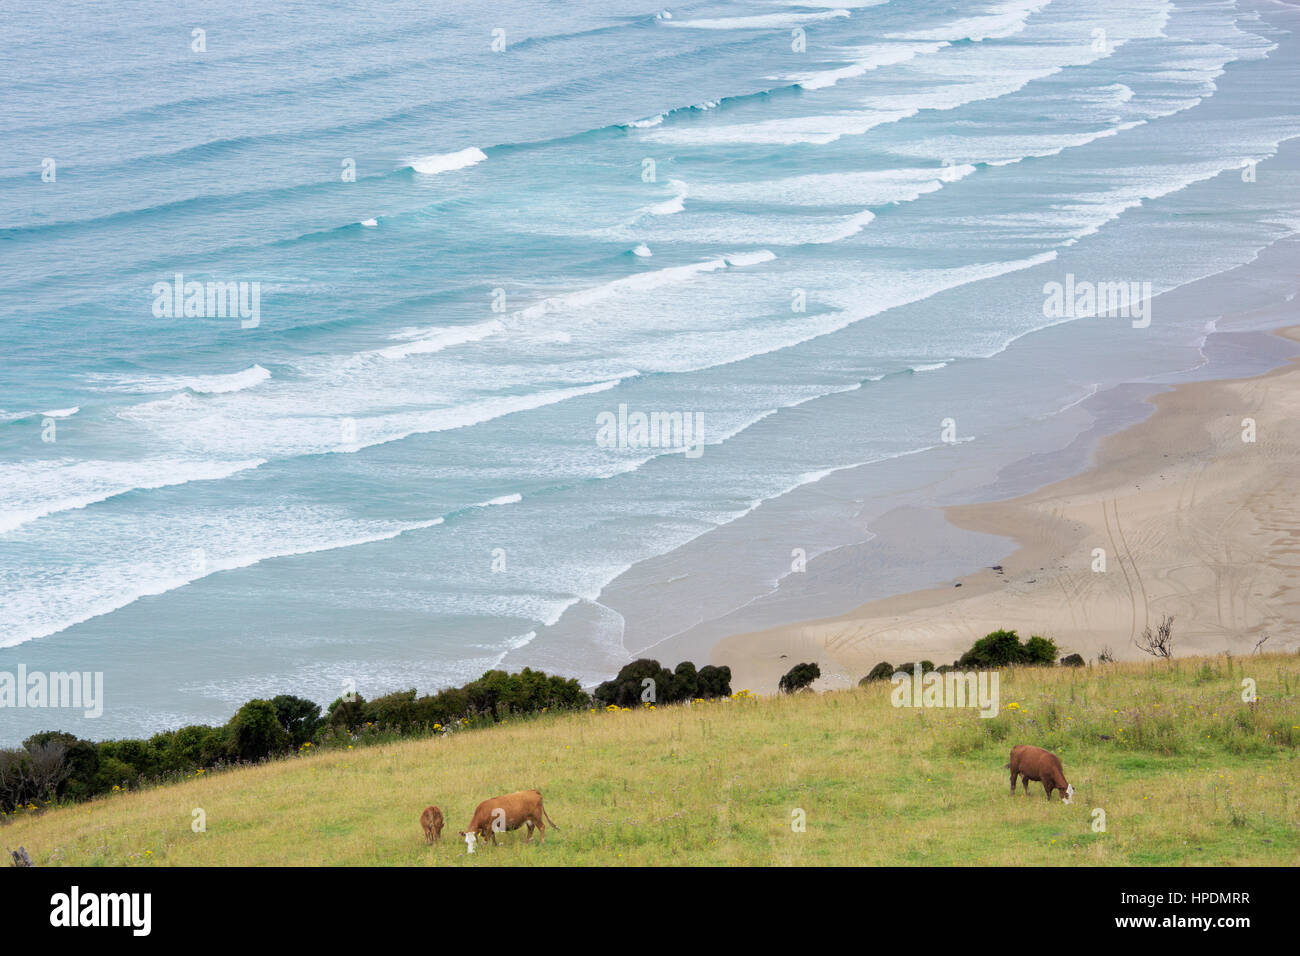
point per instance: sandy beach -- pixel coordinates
(1194, 516)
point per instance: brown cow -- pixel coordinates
(1035, 763)
(508, 813)
(431, 820)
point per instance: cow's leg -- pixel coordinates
(541, 830)
(529, 838)
(1013, 782)
(1025, 781)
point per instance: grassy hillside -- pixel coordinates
(1184, 770)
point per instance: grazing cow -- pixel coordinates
(508, 813)
(431, 820)
(1035, 763)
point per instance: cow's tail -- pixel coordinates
(1007, 766)
(548, 817)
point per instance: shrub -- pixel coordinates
(498, 693)
(994, 650)
(114, 773)
(882, 671)
(1040, 650)
(1159, 643)
(13, 779)
(1003, 648)
(799, 677)
(346, 712)
(1072, 660)
(80, 759)
(910, 667)
(714, 681)
(300, 718)
(628, 688)
(139, 755)
(191, 747)
(396, 710)
(256, 732)
(686, 682)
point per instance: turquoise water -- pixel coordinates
(814, 228)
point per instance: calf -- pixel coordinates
(431, 820)
(1035, 763)
(508, 813)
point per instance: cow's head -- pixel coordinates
(1068, 796)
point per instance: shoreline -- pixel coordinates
(1193, 521)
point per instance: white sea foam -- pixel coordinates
(844, 228)
(301, 421)
(749, 258)
(32, 490)
(1004, 150)
(864, 188)
(638, 283)
(445, 162)
(762, 21)
(1003, 20)
(787, 131)
(863, 61)
(423, 341)
(830, 4)
(121, 576)
(501, 500)
(203, 384)
(669, 206)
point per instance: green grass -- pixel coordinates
(1189, 775)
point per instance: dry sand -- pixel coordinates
(1193, 520)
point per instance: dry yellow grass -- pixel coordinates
(1190, 774)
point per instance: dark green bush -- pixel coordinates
(685, 683)
(998, 649)
(114, 773)
(642, 681)
(714, 682)
(256, 732)
(882, 671)
(628, 688)
(1040, 650)
(799, 677)
(910, 667)
(346, 712)
(300, 718)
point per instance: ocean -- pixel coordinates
(311, 315)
